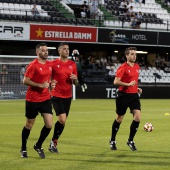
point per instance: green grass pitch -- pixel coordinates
(84, 144)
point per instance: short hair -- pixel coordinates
(63, 43)
(128, 49)
(40, 44)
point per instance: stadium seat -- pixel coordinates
(150, 7)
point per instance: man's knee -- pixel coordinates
(119, 119)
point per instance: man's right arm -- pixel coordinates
(27, 81)
(117, 81)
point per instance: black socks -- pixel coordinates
(115, 128)
(25, 135)
(44, 133)
(133, 129)
(58, 130)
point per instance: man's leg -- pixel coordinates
(44, 133)
(133, 129)
(25, 134)
(115, 128)
(58, 129)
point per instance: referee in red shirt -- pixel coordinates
(38, 100)
(127, 96)
(64, 74)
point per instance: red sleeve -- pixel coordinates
(30, 71)
(120, 72)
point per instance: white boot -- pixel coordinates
(82, 88)
(85, 86)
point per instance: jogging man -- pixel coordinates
(127, 96)
(65, 74)
(37, 78)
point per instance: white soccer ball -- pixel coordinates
(148, 127)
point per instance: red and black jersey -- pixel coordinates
(38, 73)
(128, 73)
(61, 73)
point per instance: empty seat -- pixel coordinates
(44, 13)
(27, 6)
(5, 5)
(109, 23)
(23, 12)
(16, 6)
(29, 13)
(10, 5)
(6, 11)
(38, 7)
(117, 24)
(22, 6)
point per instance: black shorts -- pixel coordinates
(61, 105)
(125, 100)
(32, 108)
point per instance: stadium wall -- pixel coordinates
(93, 92)
(109, 92)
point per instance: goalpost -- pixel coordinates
(11, 87)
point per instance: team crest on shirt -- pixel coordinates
(70, 67)
(58, 66)
(129, 71)
(50, 68)
(40, 68)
